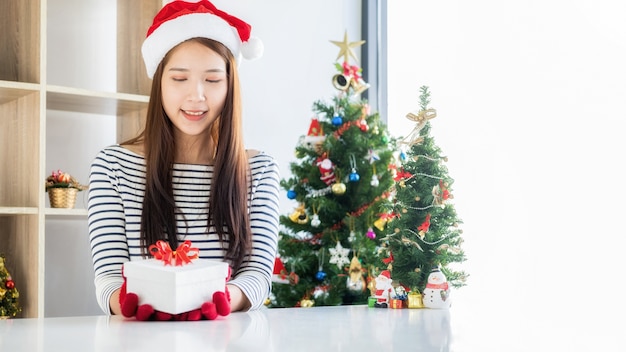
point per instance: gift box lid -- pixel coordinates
(197, 270)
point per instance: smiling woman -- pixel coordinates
(187, 175)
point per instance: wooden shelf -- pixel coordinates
(10, 91)
(82, 100)
(18, 210)
(25, 104)
(60, 213)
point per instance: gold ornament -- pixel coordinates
(371, 285)
(2, 292)
(267, 301)
(415, 300)
(409, 242)
(356, 282)
(306, 303)
(380, 223)
(299, 215)
(421, 118)
(338, 188)
(346, 47)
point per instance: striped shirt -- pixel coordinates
(116, 190)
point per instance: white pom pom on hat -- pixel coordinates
(181, 20)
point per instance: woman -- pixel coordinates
(187, 176)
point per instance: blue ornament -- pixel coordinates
(337, 120)
(354, 177)
(402, 156)
(320, 276)
(291, 194)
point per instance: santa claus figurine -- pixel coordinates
(383, 289)
(437, 291)
(327, 168)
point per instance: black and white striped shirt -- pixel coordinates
(116, 190)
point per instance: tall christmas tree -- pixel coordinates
(341, 183)
(9, 296)
(425, 228)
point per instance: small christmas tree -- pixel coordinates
(9, 303)
(341, 183)
(426, 233)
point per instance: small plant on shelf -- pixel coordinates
(60, 179)
(62, 189)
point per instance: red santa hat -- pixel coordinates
(279, 274)
(181, 20)
(386, 274)
(315, 130)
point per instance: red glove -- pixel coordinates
(129, 303)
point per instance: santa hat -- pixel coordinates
(279, 274)
(386, 274)
(181, 20)
(315, 130)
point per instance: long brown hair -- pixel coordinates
(228, 202)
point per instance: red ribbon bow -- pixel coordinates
(351, 71)
(425, 225)
(184, 254)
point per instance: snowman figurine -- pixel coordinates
(437, 291)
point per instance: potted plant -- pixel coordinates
(62, 189)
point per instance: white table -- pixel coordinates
(344, 328)
(465, 327)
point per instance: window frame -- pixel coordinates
(374, 54)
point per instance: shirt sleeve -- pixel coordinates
(106, 223)
(254, 276)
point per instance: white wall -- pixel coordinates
(278, 92)
(296, 70)
(531, 101)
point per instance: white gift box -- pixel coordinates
(175, 289)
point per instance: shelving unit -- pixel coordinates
(25, 99)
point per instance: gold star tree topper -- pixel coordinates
(346, 47)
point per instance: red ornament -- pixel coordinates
(425, 225)
(362, 123)
(10, 284)
(389, 259)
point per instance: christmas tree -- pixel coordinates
(425, 226)
(9, 303)
(341, 183)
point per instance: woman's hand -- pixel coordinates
(238, 301)
(114, 303)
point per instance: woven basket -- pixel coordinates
(62, 197)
